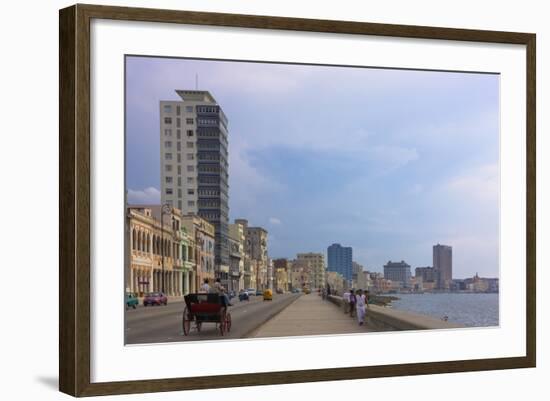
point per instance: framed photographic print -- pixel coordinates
(240, 194)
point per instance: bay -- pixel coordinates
(468, 309)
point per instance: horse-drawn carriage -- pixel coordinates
(206, 308)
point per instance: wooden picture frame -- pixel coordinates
(75, 208)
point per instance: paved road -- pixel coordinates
(157, 324)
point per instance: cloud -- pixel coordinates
(249, 188)
(145, 196)
(392, 157)
(417, 189)
(400, 151)
(253, 78)
(476, 253)
(480, 186)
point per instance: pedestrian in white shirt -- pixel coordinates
(205, 287)
(361, 305)
(346, 301)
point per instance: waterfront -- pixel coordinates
(189, 231)
(472, 310)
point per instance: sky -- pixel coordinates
(387, 161)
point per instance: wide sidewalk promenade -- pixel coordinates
(310, 315)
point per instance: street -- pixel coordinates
(159, 324)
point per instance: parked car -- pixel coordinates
(280, 291)
(131, 300)
(231, 294)
(243, 296)
(251, 291)
(259, 293)
(296, 290)
(155, 298)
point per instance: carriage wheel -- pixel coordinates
(199, 326)
(228, 321)
(186, 322)
(222, 327)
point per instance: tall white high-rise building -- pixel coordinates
(194, 164)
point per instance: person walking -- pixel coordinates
(361, 305)
(352, 303)
(346, 298)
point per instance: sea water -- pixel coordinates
(468, 309)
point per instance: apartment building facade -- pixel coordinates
(194, 164)
(317, 266)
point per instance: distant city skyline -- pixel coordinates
(388, 162)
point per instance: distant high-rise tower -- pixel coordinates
(340, 260)
(194, 163)
(443, 265)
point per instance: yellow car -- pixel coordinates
(268, 295)
(307, 291)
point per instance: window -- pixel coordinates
(167, 120)
(168, 156)
(179, 181)
(167, 132)
(178, 110)
(190, 180)
(189, 132)
(179, 146)
(169, 191)
(179, 170)
(168, 167)
(189, 109)
(168, 180)
(167, 108)
(190, 192)
(167, 144)
(179, 134)
(190, 144)
(179, 157)
(207, 121)
(179, 193)
(190, 168)
(191, 203)
(189, 121)
(190, 156)
(179, 205)
(178, 122)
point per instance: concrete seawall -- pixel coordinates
(385, 319)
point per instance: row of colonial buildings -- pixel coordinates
(174, 252)
(308, 270)
(175, 246)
